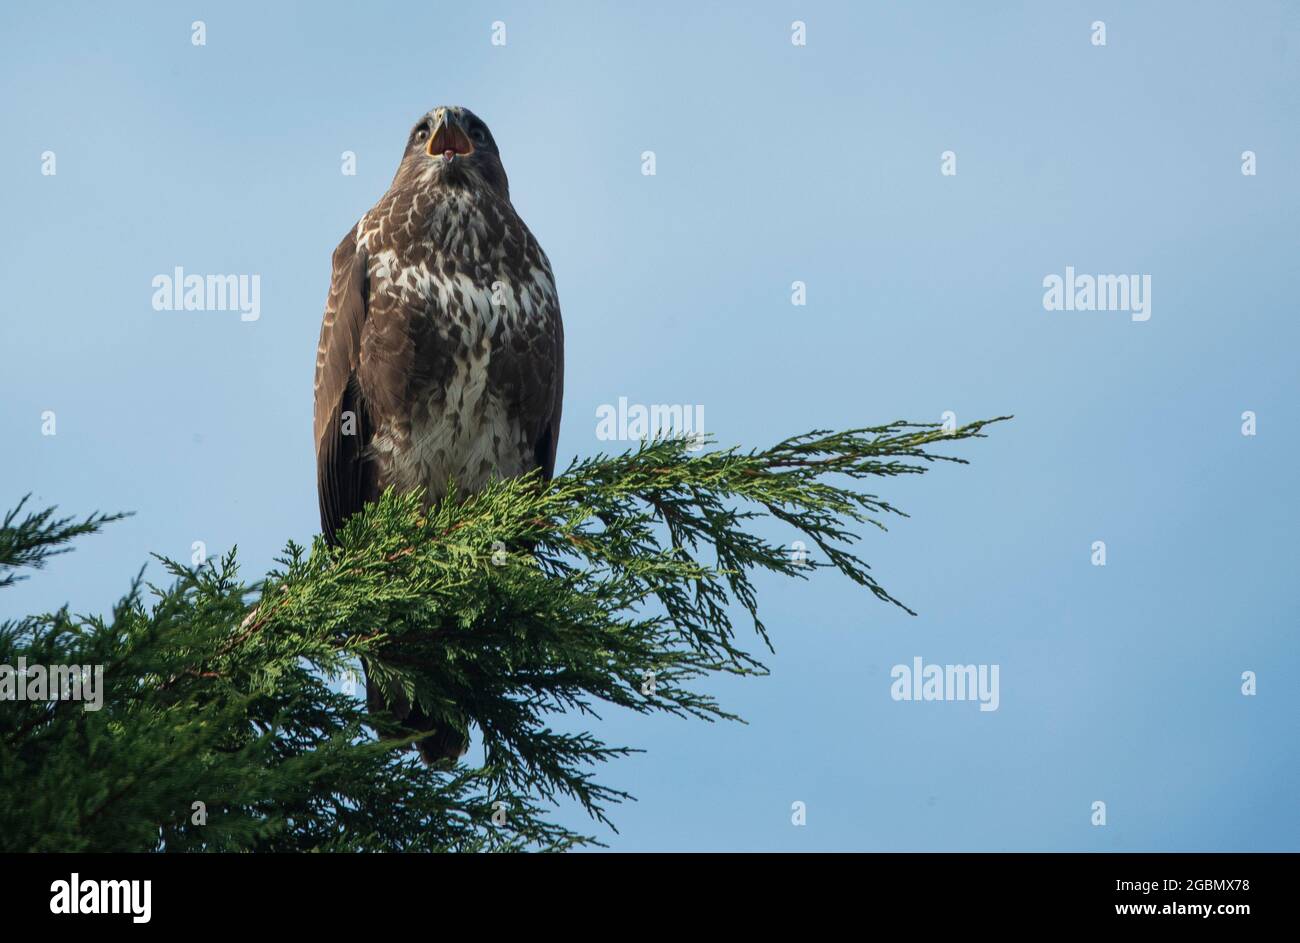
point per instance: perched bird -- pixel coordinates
(441, 351)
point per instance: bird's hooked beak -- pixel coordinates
(449, 139)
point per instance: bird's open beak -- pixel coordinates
(449, 140)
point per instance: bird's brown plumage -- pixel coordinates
(441, 353)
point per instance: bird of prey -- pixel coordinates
(441, 351)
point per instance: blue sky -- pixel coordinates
(774, 163)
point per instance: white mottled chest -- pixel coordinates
(460, 428)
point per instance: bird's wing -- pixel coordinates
(342, 426)
(551, 431)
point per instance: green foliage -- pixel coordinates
(616, 583)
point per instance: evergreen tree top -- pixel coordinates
(227, 718)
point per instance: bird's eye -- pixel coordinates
(422, 133)
(480, 136)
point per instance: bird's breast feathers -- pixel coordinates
(465, 312)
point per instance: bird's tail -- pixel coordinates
(444, 744)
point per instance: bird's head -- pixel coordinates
(452, 147)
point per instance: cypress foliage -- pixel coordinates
(229, 721)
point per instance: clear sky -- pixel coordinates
(774, 163)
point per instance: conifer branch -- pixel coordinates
(508, 611)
